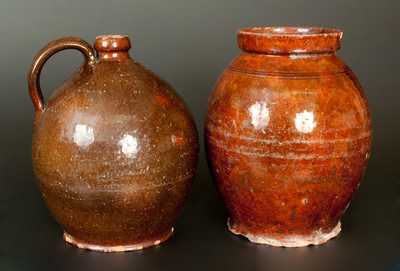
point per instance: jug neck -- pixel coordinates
(112, 47)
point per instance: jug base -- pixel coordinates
(317, 238)
(137, 246)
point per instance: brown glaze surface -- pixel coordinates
(288, 136)
(114, 149)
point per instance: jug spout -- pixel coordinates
(112, 47)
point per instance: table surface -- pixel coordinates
(32, 240)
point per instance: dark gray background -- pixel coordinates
(188, 43)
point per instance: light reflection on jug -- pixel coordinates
(129, 145)
(83, 135)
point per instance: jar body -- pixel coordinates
(115, 152)
(288, 138)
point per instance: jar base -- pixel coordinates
(137, 246)
(317, 238)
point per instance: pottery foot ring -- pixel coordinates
(317, 238)
(137, 246)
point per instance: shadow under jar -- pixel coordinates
(288, 136)
(114, 149)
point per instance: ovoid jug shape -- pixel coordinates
(288, 136)
(114, 148)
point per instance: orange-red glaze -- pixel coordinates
(288, 135)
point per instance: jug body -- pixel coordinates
(114, 149)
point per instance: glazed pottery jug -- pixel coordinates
(114, 148)
(288, 136)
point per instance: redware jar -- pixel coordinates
(114, 149)
(288, 136)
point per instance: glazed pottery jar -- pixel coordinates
(114, 149)
(288, 136)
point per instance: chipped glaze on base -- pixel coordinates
(317, 238)
(139, 246)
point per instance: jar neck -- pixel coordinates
(294, 55)
(288, 65)
(289, 40)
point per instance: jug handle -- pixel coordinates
(44, 54)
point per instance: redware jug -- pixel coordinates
(114, 148)
(288, 135)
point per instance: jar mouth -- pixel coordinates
(112, 43)
(289, 40)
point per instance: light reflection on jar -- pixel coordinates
(83, 135)
(305, 122)
(259, 114)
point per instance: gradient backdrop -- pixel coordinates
(188, 43)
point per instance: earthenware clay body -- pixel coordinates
(288, 136)
(114, 149)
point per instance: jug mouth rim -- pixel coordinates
(112, 43)
(289, 39)
(112, 36)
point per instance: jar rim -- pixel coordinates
(289, 39)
